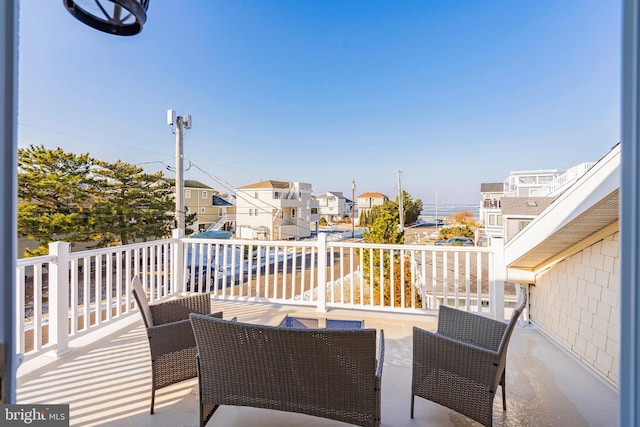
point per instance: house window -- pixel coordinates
(277, 195)
(495, 220)
(293, 213)
(523, 224)
(314, 211)
(187, 194)
(527, 180)
(204, 194)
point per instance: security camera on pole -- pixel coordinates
(181, 123)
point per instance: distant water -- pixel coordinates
(444, 211)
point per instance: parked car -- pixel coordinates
(455, 241)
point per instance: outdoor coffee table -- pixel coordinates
(306, 322)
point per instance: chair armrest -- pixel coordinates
(471, 328)
(432, 351)
(380, 358)
(170, 337)
(180, 308)
(174, 336)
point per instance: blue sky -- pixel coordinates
(453, 93)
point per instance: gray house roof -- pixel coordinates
(525, 206)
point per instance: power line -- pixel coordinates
(89, 138)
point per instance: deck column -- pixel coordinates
(59, 297)
(496, 278)
(322, 272)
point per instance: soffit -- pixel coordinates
(598, 217)
(578, 217)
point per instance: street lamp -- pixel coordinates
(353, 208)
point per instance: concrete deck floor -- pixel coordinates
(107, 382)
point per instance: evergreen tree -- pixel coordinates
(412, 208)
(133, 205)
(384, 226)
(64, 196)
(363, 219)
(54, 191)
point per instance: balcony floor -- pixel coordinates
(107, 383)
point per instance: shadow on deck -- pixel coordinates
(107, 382)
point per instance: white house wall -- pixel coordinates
(577, 303)
(258, 209)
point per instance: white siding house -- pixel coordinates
(368, 200)
(490, 212)
(333, 206)
(274, 210)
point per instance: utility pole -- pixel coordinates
(353, 208)
(437, 220)
(181, 123)
(400, 203)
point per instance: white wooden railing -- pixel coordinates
(67, 294)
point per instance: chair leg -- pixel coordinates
(153, 398)
(504, 394)
(412, 399)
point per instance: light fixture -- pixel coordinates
(119, 17)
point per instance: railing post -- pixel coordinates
(177, 262)
(59, 297)
(496, 279)
(322, 272)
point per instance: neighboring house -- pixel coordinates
(198, 198)
(314, 215)
(490, 212)
(274, 210)
(333, 206)
(518, 212)
(367, 201)
(530, 183)
(522, 186)
(226, 213)
(570, 255)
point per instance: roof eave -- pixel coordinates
(584, 209)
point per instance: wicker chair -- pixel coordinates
(171, 342)
(461, 365)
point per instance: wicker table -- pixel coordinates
(312, 323)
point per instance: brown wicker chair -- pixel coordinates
(171, 342)
(461, 365)
(321, 372)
